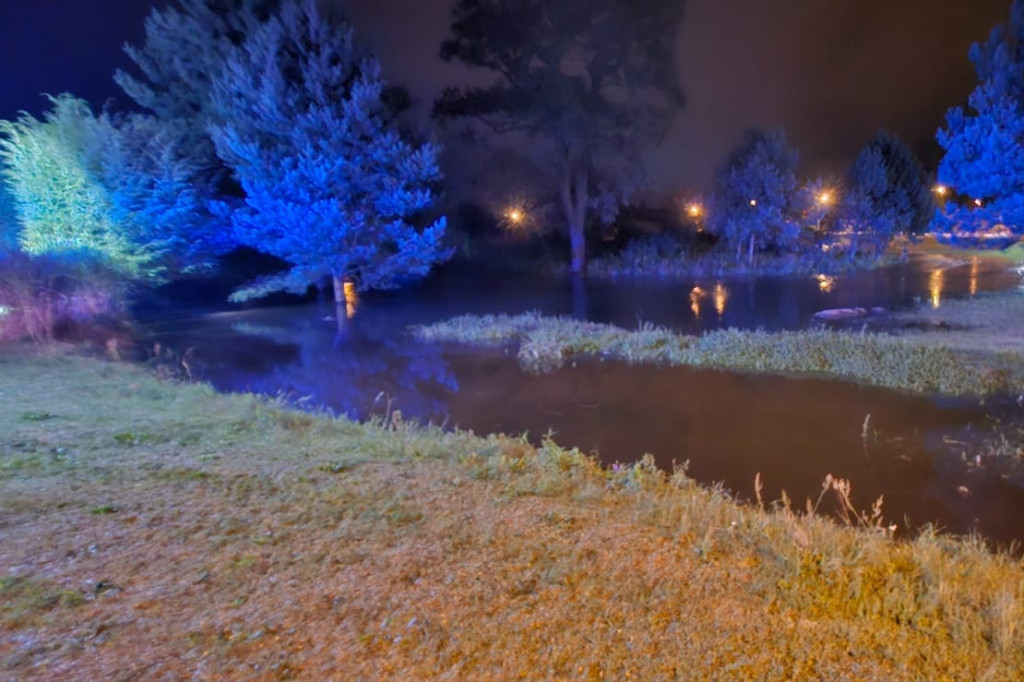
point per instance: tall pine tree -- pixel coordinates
(984, 159)
(756, 195)
(331, 185)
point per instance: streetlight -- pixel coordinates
(825, 198)
(978, 203)
(941, 190)
(695, 211)
(753, 202)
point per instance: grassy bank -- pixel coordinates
(159, 530)
(917, 363)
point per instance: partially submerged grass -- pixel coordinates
(914, 364)
(243, 539)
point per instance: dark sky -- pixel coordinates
(832, 72)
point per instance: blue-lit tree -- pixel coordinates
(184, 50)
(153, 195)
(10, 227)
(984, 157)
(756, 195)
(886, 194)
(331, 186)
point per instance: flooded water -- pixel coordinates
(359, 360)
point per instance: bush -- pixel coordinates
(42, 297)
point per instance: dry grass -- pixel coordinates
(156, 530)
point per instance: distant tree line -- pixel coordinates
(759, 205)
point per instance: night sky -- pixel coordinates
(831, 72)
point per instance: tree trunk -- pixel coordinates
(339, 290)
(575, 193)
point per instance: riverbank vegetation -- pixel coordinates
(160, 529)
(973, 361)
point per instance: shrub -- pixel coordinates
(41, 297)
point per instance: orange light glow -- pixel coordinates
(941, 190)
(826, 198)
(721, 297)
(351, 299)
(936, 283)
(695, 210)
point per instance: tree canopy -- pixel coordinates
(756, 194)
(886, 194)
(54, 172)
(331, 185)
(984, 157)
(588, 83)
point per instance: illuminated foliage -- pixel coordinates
(984, 158)
(756, 195)
(590, 84)
(331, 185)
(185, 47)
(53, 171)
(9, 225)
(155, 196)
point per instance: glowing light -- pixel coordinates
(973, 285)
(721, 297)
(941, 190)
(753, 202)
(351, 299)
(826, 198)
(695, 210)
(826, 283)
(826, 247)
(4, 310)
(978, 203)
(936, 283)
(516, 216)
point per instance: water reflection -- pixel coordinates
(972, 288)
(325, 361)
(695, 295)
(936, 282)
(721, 298)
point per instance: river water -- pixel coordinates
(359, 360)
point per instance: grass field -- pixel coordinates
(154, 530)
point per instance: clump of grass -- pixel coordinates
(897, 362)
(25, 600)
